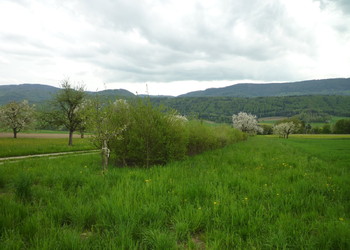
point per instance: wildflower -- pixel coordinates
(278, 194)
(81, 172)
(246, 198)
(341, 219)
(148, 180)
(85, 166)
(199, 208)
(216, 203)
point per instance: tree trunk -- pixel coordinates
(14, 133)
(70, 143)
(105, 155)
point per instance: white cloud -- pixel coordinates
(173, 45)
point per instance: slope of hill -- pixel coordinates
(34, 93)
(39, 93)
(221, 109)
(337, 86)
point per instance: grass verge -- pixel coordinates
(29, 146)
(262, 193)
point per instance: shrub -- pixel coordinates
(152, 136)
(342, 126)
(203, 137)
(139, 134)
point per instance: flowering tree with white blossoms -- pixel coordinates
(17, 116)
(107, 123)
(247, 123)
(285, 129)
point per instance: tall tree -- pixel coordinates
(342, 126)
(67, 103)
(17, 116)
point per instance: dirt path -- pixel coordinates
(37, 135)
(48, 155)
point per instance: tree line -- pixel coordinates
(220, 109)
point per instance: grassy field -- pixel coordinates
(29, 146)
(272, 120)
(264, 193)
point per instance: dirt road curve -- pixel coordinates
(24, 135)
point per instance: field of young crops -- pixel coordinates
(263, 193)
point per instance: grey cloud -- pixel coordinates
(226, 41)
(270, 34)
(343, 5)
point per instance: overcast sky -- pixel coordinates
(172, 46)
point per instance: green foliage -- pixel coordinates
(299, 124)
(152, 136)
(326, 129)
(342, 126)
(267, 129)
(263, 193)
(309, 116)
(203, 137)
(140, 134)
(67, 106)
(220, 109)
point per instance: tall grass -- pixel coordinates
(262, 193)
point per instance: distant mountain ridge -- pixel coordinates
(336, 86)
(40, 93)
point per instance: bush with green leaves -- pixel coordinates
(139, 134)
(203, 137)
(152, 136)
(342, 126)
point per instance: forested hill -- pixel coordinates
(337, 86)
(39, 93)
(34, 93)
(221, 109)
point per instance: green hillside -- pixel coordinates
(34, 93)
(339, 86)
(220, 109)
(39, 93)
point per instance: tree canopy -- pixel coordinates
(67, 105)
(17, 116)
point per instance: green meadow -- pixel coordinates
(29, 146)
(263, 193)
(272, 120)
